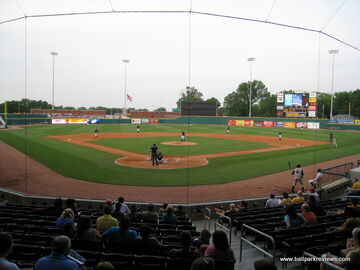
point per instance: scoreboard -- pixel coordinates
(296, 105)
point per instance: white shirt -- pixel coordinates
(272, 202)
(124, 209)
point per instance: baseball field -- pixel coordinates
(121, 156)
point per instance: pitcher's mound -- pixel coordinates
(179, 143)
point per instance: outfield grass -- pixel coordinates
(204, 145)
(88, 164)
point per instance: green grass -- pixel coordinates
(205, 145)
(96, 166)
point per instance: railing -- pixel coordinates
(207, 217)
(225, 228)
(245, 227)
(336, 172)
(317, 259)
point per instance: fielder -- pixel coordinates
(316, 182)
(334, 142)
(96, 133)
(279, 135)
(182, 138)
(137, 129)
(228, 130)
(298, 174)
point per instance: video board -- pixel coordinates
(296, 105)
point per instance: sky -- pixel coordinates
(168, 50)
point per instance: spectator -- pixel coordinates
(355, 206)
(105, 266)
(179, 211)
(308, 215)
(67, 216)
(134, 215)
(299, 199)
(106, 221)
(272, 202)
(124, 208)
(242, 206)
(314, 193)
(53, 210)
(220, 250)
(150, 215)
(203, 241)
(145, 244)
(203, 263)
(169, 215)
(315, 207)
(163, 209)
(232, 210)
(292, 218)
(85, 231)
(351, 222)
(117, 213)
(120, 234)
(69, 230)
(356, 184)
(286, 201)
(6, 245)
(70, 203)
(185, 252)
(58, 260)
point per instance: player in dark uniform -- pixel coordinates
(96, 133)
(154, 157)
(331, 136)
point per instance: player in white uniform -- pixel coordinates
(182, 138)
(298, 174)
(334, 142)
(279, 135)
(316, 182)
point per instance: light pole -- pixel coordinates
(251, 60)
(125, 61)
(53, 78)
(333, 52)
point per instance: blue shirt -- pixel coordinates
(115, 234)
(60, 222)
(6, 265)
(56, 261)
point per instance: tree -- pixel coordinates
(341, 103)
(237, 102)
(355, 103)
(161, 109)
(189, 94)
(213, 99)
(267, 107)
(323, 105)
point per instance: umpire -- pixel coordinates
(153, 151)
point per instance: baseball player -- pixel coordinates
(137, 129)
(298, 174)
(279, 135)
(334, 142)
(315, 182)
(154, 157)
(96, 133)
(160, 158)
(331, 137)
(182, 138)
(228, 130)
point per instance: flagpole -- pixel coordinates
(125, 61)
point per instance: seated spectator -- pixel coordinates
(134, 215)
(202, 242)
(67, 216)
(220, 250)
(315, 206)
(299, 199)
(351, 222)
(356, 184)
(6, 245)
(163, 208)
(117, 213)
(169, 215)
(69, 230)
(120, 234)
(203, 263)
(286, 201)
(105, 266)
(85, 231)
(58, 259)
(272, 202)
(179, 211)
(145, 244)
(314, 193)
(292, 218)
(353, 253)
(232, 210)
(53, 210)
(185, 252)
(124, 208)
(106, 221)
(354, 205)
(242, 206)
(150, 215)
(308, 215)
(70, 203)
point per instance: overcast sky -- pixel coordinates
(89, 70)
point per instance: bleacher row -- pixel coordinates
(33, 234)
(316, 239)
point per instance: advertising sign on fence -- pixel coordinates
(154, 121)
(145, 121)
(232, 122)
(313, 125)
(69, 121)
(248, 123)
(268, 123)
(301, 125)
(258, 123)
(135, 121)
(279, 124)
(289, 125)
(240, 123)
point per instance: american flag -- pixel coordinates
(129, 98)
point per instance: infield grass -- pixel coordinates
(92, 165)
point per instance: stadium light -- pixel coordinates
(125, 61)
(250, 59)
(53, 78)
(333, 52)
